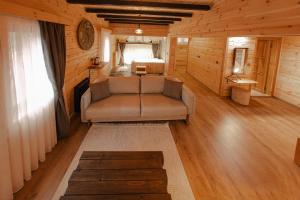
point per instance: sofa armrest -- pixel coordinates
(189, 100)
(86, 99)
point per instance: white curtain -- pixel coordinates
(27, 129)
(137, 52)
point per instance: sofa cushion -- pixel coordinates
(173, 88)
(158, 106)
(100, 90)
(152, 84)
(116, 107)
(124, 85)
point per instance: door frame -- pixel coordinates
(279, 40)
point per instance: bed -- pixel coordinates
(153, 66)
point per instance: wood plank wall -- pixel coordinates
(250, 67)
(205, 60)
(170, 55)
(288, 78)
(237, 17)
(59, 11)
(148, 30)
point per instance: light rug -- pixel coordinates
(135, 137)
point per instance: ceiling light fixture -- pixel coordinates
(139, 31)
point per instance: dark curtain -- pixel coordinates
(122, 48)
(54, 49)
(155, 48)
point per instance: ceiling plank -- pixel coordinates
(178, 6)
(139, 12)
(137, 17)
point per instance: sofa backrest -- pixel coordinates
(152, 84)
(124, 85)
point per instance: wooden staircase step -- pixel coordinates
(124, 155)
(116, 187)
(119, 197)
(119, 175)
(121, 164)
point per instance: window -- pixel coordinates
(137, 52)
(105, 44)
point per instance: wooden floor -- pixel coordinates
(229, 152)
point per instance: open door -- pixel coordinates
(181, 54)
(267, 57)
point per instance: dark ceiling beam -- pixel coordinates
(141, 21)
(132, 22)
(138, 12)
(137, 17)
(169, 5)
(130, 19)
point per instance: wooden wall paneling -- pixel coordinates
(205, 61)
(58, 11)
(288, 77)
(148, 30)
(14, 9)
(248, 18)
(170, 55)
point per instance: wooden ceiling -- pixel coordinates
(154, 12)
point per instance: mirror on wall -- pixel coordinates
(239, 60)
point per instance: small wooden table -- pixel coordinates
(241, 91)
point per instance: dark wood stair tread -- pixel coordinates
(120, 164)
(118, 197)
(117, 187)
(119, 175)
(122, 155)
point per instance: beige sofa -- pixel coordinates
(137, 99)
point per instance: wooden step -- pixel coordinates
(119, 175)
(116, 187)
(124, 155)
(119, 197)
(121, 164)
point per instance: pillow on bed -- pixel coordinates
(173, 88)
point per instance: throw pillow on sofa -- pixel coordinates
(173, 88)
(100, 90)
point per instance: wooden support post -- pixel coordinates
(297, 153)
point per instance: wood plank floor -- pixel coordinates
(229, 152)
(233, 152)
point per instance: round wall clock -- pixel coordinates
(85, 34)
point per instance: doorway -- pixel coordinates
(267, 58)
(181, 54)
